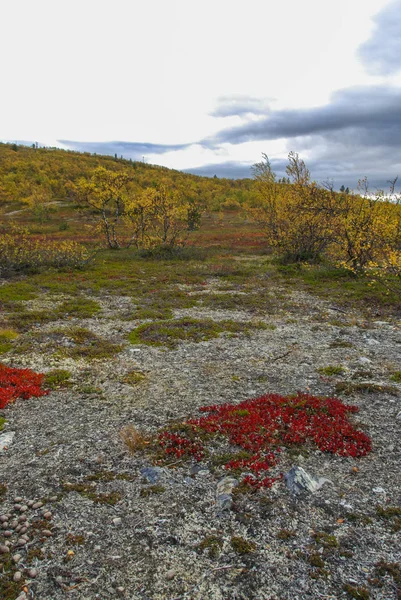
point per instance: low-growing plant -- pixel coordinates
(261, 426)
(347, 388)
(396, 377)
(19, 383)
(133, 439)
(331, 370)
(242, 546)
(170, 333)
(57, 378)
(134, 377)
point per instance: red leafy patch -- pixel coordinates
(262, 425)
(19, 383)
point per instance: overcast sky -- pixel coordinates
(208, 86)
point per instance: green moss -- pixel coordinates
(3, 490)
(359, 518)
(8, 335)
(326, 540)
(315, 560)
(88, 345)
(134, 377)
(34, 554)
(57, 378)
(211, 544)
(2, 423)
(154, 314)
(17, 292)
(347, 388)
(170, 333)
(5, 347)
(9, 590)
(83, 308)
(396, 377)
(242, 546)
(341, 344)
(74, 540)
(359, 593)
(286, 534)
(24, 320)
(222, 459)
(331, 370)
(152, 489)
(89, 491)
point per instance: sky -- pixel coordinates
(207, 87)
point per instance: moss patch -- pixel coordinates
(170, 333)
(57, 378)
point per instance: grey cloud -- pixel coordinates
(361, 108)
(134, 150)
(228, 170)
(381, 54)
(240, 105)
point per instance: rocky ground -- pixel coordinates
(101, 522)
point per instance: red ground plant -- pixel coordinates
(263, 426)
(19, 383)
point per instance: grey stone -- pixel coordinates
(17, 576)
(4, 549)
(152, 474)
(6, 439)
(224, 490)
(298, 481)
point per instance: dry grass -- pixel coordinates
(133, 439)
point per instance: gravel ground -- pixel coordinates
(109, 530)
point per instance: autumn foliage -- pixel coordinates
(263, 426)
(306, 221)
(19, 383)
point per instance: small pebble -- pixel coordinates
(7, 543)
(24, 530)
(53, 499)
(5, 525)
(23, 508)
(17, 558)
(59, 579)
(17, 506)
(37, 505)
(9, 516)
(3, 518)
(8, 533)
(24, 537)
(47, 533)
(32, 573)
(18, 528)
(170, 574)
(47, 515)
(120, 590)
(21, 542)
(13, 524)
(117, 521)
(22, 596)
(30, 503)
(17, 576)
(4, 549)
(22, 518)
(18, 499)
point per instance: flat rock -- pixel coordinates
(6, 439)
(298, 481)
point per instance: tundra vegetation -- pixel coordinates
(104, 261)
